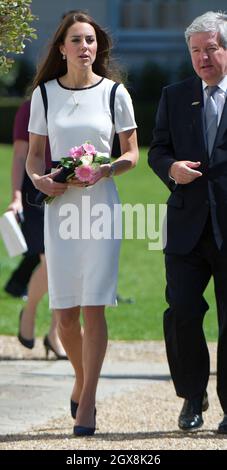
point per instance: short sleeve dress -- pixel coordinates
(82, 228)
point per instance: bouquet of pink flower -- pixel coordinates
(82, 162)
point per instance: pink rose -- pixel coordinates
(89, 149)
(84, 173)
(76, 152)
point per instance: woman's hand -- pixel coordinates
(48, 186)
(75, 182)
(15, 206)
(101, 172)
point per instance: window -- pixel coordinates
(157, 14)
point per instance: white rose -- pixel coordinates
(86, 159)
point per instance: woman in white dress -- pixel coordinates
(82, 257)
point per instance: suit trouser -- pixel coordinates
(187, 352)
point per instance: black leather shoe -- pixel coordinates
(27, 343)
(222, 428)
(49, 347)
(191, 414)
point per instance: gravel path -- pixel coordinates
(143, 418)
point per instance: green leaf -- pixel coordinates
(67, 162)
(101, 159)
(14, 29)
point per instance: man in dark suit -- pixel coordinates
(189, 153)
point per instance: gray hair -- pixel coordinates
(209, 22)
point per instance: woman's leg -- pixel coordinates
(70, 333)
(94, 348)
(53, 336)
(36, 290)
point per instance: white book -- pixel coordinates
(12, 235)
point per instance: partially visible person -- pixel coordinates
(19, 279)
(189, 153)
(23, 199)
(82, 272)
(17, 284)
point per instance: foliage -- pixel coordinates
(185, 70)
(15, 29)
(16, 81)
(146, 83)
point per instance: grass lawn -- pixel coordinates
(141, 276)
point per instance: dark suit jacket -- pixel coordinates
(179, 135)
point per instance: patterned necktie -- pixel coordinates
(211, 118)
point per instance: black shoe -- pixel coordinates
(191, 414)
(27, 343)
(48, 346)
(222, 428)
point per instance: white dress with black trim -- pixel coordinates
(83, 226)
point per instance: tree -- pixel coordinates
(15, 29)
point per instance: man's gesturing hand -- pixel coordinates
(183, 172)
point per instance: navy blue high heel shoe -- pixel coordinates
(80, 431)
(27, 343)
(73, 406)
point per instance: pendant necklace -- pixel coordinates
(74, 100)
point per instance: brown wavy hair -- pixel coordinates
(53, 65)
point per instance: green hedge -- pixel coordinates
(8, 108)
(145, 118)
(144, 112)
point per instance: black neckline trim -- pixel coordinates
(79, 89)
